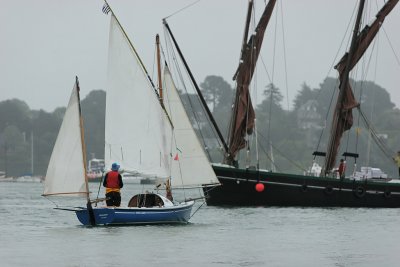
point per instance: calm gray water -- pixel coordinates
(34, 234)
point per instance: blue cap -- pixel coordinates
(114, 167)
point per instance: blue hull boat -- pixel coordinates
(166, 214)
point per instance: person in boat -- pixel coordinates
(113, 184)
(342, 168)
(397, 160)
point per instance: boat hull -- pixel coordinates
(131, 216)
(238, 189)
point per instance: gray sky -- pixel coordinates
(45, 43)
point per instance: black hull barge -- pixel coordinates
(239, 189)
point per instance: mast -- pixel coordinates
(203, 102)
(243, 117)
(343, 118)
(82, 138)
(168, 191)
(32, 152)
(88, 204)
(245, 34)
(160, 89)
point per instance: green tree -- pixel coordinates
(216, 90)
(93, 112)
(304, 95)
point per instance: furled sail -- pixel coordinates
(242, 122)
(189, 164)
(343, 117)
(137, 131)
(66, 170)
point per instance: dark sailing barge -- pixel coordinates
(256, 187)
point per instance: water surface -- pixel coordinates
(35, 234)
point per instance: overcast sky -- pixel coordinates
(45, 43)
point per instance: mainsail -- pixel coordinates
(189, 164)
(343, 117)
(243, 117)
(137, 131)
(66, 170)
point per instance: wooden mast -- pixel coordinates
(343, 118)
(160, 89)
(243, 114)
(88, 204)
(331, 155)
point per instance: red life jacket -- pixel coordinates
(112, 179)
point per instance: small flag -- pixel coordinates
(106, 8)
(176, 157)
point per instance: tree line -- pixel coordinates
(285, 138)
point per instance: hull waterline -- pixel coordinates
(135, 216)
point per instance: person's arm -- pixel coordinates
(121, 184)
(105, 180)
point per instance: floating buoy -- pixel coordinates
(259, 187)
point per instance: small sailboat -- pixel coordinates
(71, 180)
(141, 135)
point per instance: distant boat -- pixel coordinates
(140, 135)
(96, 169)
(253, 186)
(3, 177)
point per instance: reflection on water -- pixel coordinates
(34, 234)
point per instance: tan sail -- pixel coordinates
(343, 117)
(242, 121)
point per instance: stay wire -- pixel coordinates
(284, 58)
(180, 10)
(180, 75)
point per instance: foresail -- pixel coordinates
(66, 172)
(243, 114)
(137, 131)
(189, 163)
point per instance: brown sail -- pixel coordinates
(243, 112)
(343, 117)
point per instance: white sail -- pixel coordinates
(137, 131)
(66, 170)
(190, 165)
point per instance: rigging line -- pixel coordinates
(327, 113)
(284, 58)
(180, 168)
(341, 43)
(265, 68)
(388, 39)
(384, 148)
(391, 46)
(251, 74)
(282, 154)
(180, 10)
(365, 68)
(272, 84)
(255, 86)
(197, 209)
(179, 73)
(203, 104)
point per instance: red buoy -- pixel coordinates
(259, 187)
